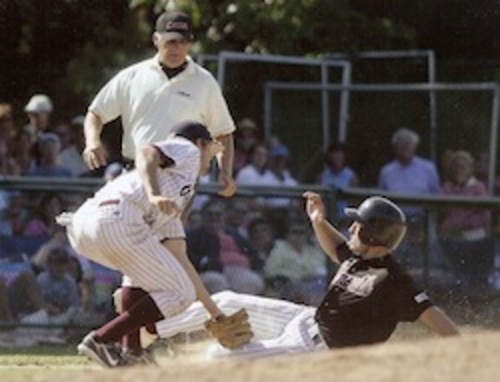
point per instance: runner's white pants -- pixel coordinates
(115, 235)
(279, 326)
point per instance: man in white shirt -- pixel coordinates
(159, 92)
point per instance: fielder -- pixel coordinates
(122, 227)
(150, 97)
(367, 297)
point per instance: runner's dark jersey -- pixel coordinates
(366, 299)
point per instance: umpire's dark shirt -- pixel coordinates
(366, 300)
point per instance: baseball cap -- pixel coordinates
(191, 131)
(279, 151)
(39, 103)
(174, 25)
(113, 170)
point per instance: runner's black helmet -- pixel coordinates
(383, 222)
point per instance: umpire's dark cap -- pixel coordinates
(192, 131)
(174, 25)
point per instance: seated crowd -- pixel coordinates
(258, 245)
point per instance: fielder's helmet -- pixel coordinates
(192, 131)
(383, 222)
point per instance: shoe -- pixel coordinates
(144, 358)
(107, 355)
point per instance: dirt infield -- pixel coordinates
(473, 357)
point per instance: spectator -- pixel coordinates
(482, 171)
(8, 164)
(236, 216)
(278, 174)
(59, 290)
(7, 127)
(261, 236)
(247, 136)
(466, 231)
(12, 217)
(70, 154)
(25, 299)
(254, 172)
(39, 110)
(337, 175)
(224, 259)
(46, 152)
(22, 151)
(296, 269)
(194, 220)
(41, 221)
(410, 174)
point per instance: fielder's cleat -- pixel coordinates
(143, 358)
(107, 355)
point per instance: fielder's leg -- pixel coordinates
(268, 316)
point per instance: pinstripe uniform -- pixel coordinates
(121, 229)
(279, 326)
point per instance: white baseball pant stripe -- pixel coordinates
(279, 326)
(114, 234)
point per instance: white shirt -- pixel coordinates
(71, 158)
(150, 104)
(249, 175)
(176, 182)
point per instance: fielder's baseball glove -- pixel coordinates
(231, 331)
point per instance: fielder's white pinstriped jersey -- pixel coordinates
(119, 228)
(279, 326)
(176, 183)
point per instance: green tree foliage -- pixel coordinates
(295, 27)
(64, 48)
(68, 48)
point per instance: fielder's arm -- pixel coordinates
(178, 248)
(93, 154)
(328, 236)
(436, 320)
(225, 161)
(147, 162)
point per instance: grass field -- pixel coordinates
(472, 357)
(40, 361)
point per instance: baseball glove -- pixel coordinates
(231, 331)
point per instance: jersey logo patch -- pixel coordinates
(359, 284)
(183, 93)
(186, 190)
(421, 297)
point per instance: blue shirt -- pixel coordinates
(62, 293)
(56, 171)
(341, 180)
(419, 177)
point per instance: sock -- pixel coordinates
(143, 312)
(130, 296)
